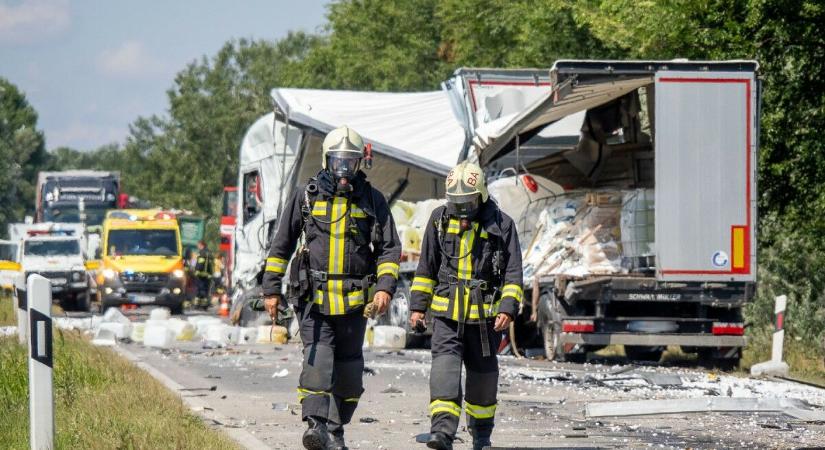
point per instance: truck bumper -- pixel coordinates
(653, 340)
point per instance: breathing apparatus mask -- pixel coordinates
(343, 166)
(343, 150)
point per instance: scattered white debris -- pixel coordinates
(281, 373)
(8, 331)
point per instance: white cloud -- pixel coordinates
(33, 20)
(130, 60)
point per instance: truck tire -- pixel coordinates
(550, 314)
(642, 353)
(82, 301)
(711, 358)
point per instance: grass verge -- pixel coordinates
(101, 401)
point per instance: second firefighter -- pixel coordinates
(470, 278)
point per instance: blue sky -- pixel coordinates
(91, 67)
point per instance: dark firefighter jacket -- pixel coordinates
(203, 266)
(359, 247)
(485, 261)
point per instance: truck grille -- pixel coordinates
(67, 276)
(145, 278)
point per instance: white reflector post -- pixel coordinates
(775, 366)
(41, 398)
(22, 309)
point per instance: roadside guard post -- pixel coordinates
(41, 399)
(22, 308)
(775, 366)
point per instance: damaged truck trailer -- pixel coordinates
(651, 243)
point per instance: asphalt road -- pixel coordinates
(541, 404)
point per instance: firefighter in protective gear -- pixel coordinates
(203, 275)
(470, 278)
(349, 245)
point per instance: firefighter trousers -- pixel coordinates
(331, 382)
(450, 349)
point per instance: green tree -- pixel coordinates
(22, 153)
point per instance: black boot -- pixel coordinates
(315, 437)
(440, 441)
(336, 438)
(480, 443)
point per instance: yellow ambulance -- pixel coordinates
(141, 260)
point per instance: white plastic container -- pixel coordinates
(204, 324)
(217, 333)
(104, 337)
(247, 335)
(386, 336)
(159, 314)
(138, 330)
(119, 330)
(113, 315)
(158, 336)
(232, 334)
(183, 330)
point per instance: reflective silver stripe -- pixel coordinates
(423, 284)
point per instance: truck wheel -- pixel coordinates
(642, 353)
(82, 301)
(549, 317)
(712, 358)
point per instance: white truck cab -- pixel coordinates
(60, 259)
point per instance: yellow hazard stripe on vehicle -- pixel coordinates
(277, 265)
(480, 412)
(9, 265)
(440, 303)
(319, 208)
(304, 393)
(388, 268)
(514, 291)
(444, 406)
(337, 239)
(423, 284)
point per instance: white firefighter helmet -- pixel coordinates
(466, 189)
(342, 141)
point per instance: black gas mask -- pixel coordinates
(343, 166)
(464, 206)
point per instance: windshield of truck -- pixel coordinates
(230, 203)
(8, 252)
(94, 215)
(51, 248)
(142, 242)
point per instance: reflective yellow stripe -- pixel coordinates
(439, 303)
(465, 270)
(514, 291)
(304, 393)
(319, 298)
(352, 399)
(488, 311)
(355, 298)
(276, 265)
(337, 236)
(483, 234)
(388, 268)
(439, 406)
(423, 284)
(480, 412)
(358, 213)
(453, 227)
(319, 208)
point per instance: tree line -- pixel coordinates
(409, 45)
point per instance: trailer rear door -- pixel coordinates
(706, 129)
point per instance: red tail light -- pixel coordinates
(530, 183)
(728, 329)
(578, 326)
